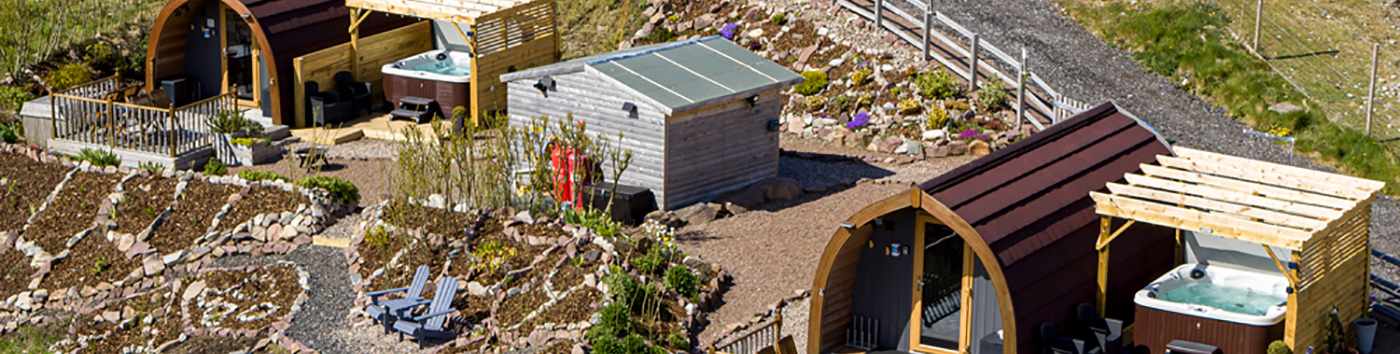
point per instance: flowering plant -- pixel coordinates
(729, 31)
(974, 134)
(860, 120)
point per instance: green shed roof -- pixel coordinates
(680, 76)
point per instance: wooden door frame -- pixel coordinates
(916, 316)
(226, 81)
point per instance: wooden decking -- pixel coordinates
(376, 126)
(1043, 105)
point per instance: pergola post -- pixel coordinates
(1102, 300)
(357, 16)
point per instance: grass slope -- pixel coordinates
(1187, 42)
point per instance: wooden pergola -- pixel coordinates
(503, 36)
(1323, 218)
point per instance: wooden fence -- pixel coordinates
(765, 336)
(988, 59)
(518, 38)
(374, 51)
(81, 114)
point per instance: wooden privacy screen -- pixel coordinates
(1334, 270)
(374, 51)
(517, 38)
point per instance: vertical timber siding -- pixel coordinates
(720, 148)
(589, 99)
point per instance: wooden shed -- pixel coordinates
(204, 48)
(975, 259)
(1310, 226)
(700, 116)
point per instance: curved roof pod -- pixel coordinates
(284, 29)
(1026, 213)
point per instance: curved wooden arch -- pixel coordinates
(269, 56)
(917, 199)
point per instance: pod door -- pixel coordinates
(941, 262)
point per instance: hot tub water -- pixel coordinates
(1234, 299)
(443, 68)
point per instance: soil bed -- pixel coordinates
(212, 344)
(514, 309)
(146, 198)
(92, 261)
(16, 274)
(27, 184)
(575, 308)
(259, 200)
(252, 293)
(192, 216)
(163, 327)
(72, 211)
(435, 221)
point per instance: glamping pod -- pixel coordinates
(204, 48)
(978, 259)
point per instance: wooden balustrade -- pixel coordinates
(765, 336)
(80, 115)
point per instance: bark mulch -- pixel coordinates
(260, 200)
(163, 327)
(93, 260)
(250, 291)
(575, 308)
(26, 184)
(146, 198)
(192, 216)
(72, 211)
(514, 309)
(435, 221)
(212, 344)
(16, 273)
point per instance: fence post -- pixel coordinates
(928, 26)
(1055, 108)
(1258, 19)
(1021, 75)
(1371, 98)
(53, 119)
(170, 131)
(972, 64)
(111, 127)
(879, 15)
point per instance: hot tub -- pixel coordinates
(1238, 310)
(443, 76)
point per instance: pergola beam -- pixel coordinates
(1187, 219)
(1183, 200)
(1357, 184)
(1291, 195)
(1259, 176)
(1233, 197)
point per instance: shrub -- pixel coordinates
(339, 188)
(69, 75)
(682, 280)
(378, 237)
(861, 77)
(679, 342)
(842, 99)
(459, 112)
(814, 82)
(937, 118)
(896, 92)
(859, 121)
(12, 98)
(100, 158)
(100, 56)
(991, 96)
(215, 168)
(650, 263)
(229, 122)
(816, 102)
(1279, 347)
(779, 19)
(10, 133)
(865, 100)
(660, 35)
(936, 84)
(957, 105)
(259, 175)
(153, 167)
(245, 141)
(616, 319)
(605, 343)
(910, 106)
(491, 256)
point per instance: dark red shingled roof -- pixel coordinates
(1030, 202)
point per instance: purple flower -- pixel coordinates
(729, 31)
(860, 120)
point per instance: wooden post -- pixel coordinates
(1258, 19)
(1371, 98)
(1055, 113)
(355, 42)
(53, 119)
(928, 26)
(171, 130)
(111, 127)
(972, 64)
(1021, 74)
(879, 15)
(1102, 299)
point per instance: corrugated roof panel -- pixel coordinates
(656, 92)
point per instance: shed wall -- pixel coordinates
(592, 100)
(720, 148)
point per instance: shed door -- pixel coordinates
(943, 278)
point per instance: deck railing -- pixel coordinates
(765, 336)
(82, 115)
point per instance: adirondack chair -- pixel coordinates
(388, 311)
(430, 325)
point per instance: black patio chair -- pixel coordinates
(1107, 333)
(354, 91)
(1051, 343)
(327, 107)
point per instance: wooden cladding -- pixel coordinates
(1155, 328)
(374, 51)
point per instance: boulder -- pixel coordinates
(957, 148)
(748, 198)
(889, 144)
(1285, 108)
(979, 148)
(780, 188)
(856, 139)
(700, 213)
(667, 218)
(704, 21)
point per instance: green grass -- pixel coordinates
(1188, 41)
(597, 26)
(28, 340)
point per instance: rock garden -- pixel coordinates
(118, 259)
(861, 90)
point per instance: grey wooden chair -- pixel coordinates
(429, 326)
(388, 311)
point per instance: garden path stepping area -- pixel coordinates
(120, 257)
(529, 282)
